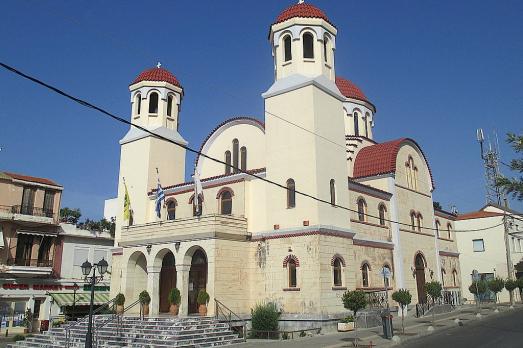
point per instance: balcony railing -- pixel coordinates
(28, 213)
(30, 210)
(29, 262)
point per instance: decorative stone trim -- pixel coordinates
(291, 289)
(291, 257)
(337, 256)
(448, 253)
(224, 189)
(336, 288)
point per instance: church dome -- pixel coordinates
(302, 10)
(157, 74)
(350, 90)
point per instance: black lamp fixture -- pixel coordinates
(149, 247)
(87, 267)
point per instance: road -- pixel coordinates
(495, 331)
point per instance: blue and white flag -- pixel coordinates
(160, 197)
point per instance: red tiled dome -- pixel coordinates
(350, 90)
(157, 74)
(302, 10)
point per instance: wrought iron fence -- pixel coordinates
(376, 299)
(31, 210)
(448, 297)
(29, 262)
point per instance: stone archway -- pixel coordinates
(167, 280)
(136, 276)
(197, 278)
(420, 263)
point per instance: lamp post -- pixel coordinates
(75, 288)
(102, 266)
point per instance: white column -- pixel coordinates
(153, 287)
(182, 283)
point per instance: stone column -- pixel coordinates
(153, 287)
(182, 283)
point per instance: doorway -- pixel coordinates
(197, 278)
(420, 278)
(167, 280)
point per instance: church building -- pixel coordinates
(345, 205)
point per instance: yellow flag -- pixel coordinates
(126, 205)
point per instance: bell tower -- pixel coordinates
(156, 96)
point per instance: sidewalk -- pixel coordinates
(414, 328)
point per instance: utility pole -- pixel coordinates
(510, 265)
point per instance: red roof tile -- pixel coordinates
(381, 159)
(32, 179)
(350, 90)
(302, 10)
(157, 74)
(478, 215)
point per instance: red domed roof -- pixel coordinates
(350, 90)
(302, 10)
(157, 74)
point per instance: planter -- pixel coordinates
(344, 327)
(174, 308)
(202, 309)
(145, 309)
(119, 309)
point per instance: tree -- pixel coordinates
(433, 289)
(478, 288)
(404, 298)
(520, 286)
(70, 216)
(514, 186)
(355, 301)
(437, 205)
(511, 285)
(496, 285)
(265, 318)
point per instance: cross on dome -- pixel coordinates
(301, 1)
(158, 65)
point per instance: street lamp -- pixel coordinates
(75, 289)
(101, 266)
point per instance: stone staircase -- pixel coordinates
(134, 332)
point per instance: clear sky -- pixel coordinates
(436, 70)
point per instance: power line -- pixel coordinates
(187, 148)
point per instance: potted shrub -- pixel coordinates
(434, 290)
(174, 299)
(119, 301)
(354, 301)
(145, 299)
(28, 321)
(346, 324)
(403, 297)
(202, 300)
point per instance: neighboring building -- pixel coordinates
(36, 250)
(485, 250)
(250, 241)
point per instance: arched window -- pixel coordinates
(171, 210)
(420, 222)
(308, 45)
(336, 270)
(365, 275)
(226, 203)
(243, 153)
(415, 179)
(413, 221)
(454, 277)
(382, 210)
(387, 280)
(362, 210)
(291, 267)
(169, 105)
(153, 103)
(356, 124)
(326, 49)
(138, 101)
(407, 173)
(291, 193)
(287, 46)
(235, 150)
(367, 124)
(443, 273)
(333, 192)
(412, 174)
(227, 162)
(438, 225)
(449, 230)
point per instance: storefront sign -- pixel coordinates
(97, 288)
(50, 287)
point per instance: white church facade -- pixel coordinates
(252, 241)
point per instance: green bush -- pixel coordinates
(18, 337)
(144, 298)
(347, 319)
(481, 288)
(203, 297)
(119, 300)
(264, 318)
(496, 285)
(354, 300)
(433, 289)
(404, 298)
(174, 296)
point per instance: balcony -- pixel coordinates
(29, 267)
(24, 213)
(206, 226)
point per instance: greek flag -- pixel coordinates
(160, 196)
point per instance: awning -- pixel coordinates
(82, 298)
(37, 233)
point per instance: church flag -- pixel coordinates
(126, 204)
(198, 191)
(160, 197)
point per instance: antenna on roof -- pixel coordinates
(490, 157)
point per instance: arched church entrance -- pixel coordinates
(419, 263)
(136, 276)
(167, 280)
(197, 278)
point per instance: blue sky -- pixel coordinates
(436, 70)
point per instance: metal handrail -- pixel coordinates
(111, 319)
(220, 307)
